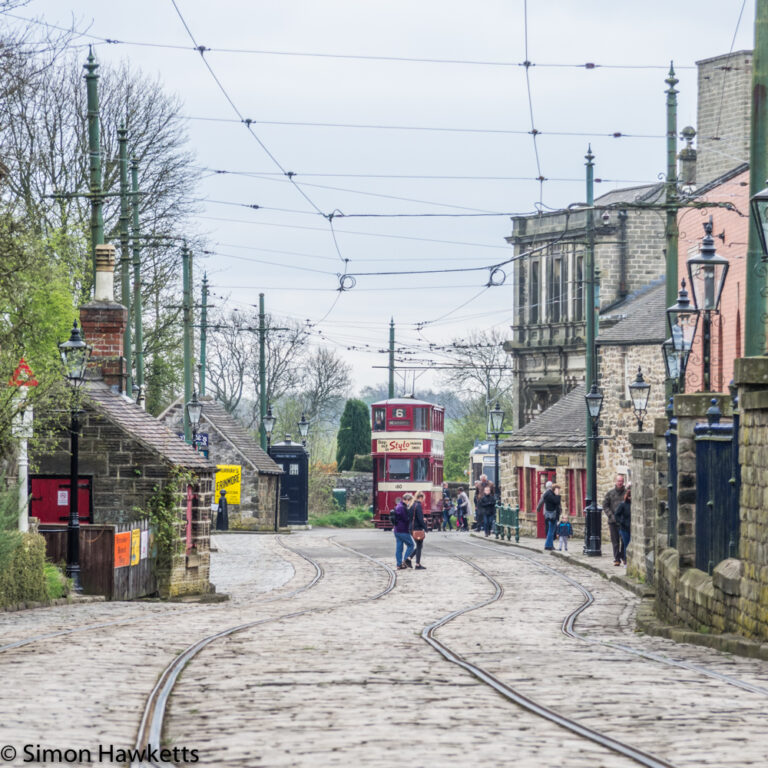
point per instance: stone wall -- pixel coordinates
(645, 504)
(359, 487)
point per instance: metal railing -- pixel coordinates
(507, 518)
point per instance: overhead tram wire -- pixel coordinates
(534, 133)
(358, 57)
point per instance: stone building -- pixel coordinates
(229, 443)
(127, 459)
(553, 447)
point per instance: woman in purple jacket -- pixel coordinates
(402, 531)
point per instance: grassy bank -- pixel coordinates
(357, 517)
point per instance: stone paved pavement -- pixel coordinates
(353, 683)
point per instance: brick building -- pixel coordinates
(230, 443)
(126, 459)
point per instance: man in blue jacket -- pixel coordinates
(401, 529)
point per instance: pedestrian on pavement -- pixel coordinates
(446, 491)
(564, 531)
(611, 502)
(550, 502)
(447, 514)
(418, 528)
(623, 515)
(402, 531)
(222, 512)
(480, 487)
(487, 508)
(462, 511)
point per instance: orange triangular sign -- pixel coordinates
(23, 376)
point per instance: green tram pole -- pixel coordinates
(125, 255)
(671, 200)
(755, 310)
(138, 333)
(391, 358)
(186, 264)
(203, 332)
(94, 157)
(262, 374)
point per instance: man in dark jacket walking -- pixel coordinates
(402, 531)
(611, 502)
(551, 503)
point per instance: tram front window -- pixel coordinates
(378, 420)
(420, 469)
(399, 469)
(421, 419)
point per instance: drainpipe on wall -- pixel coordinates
(623, 254)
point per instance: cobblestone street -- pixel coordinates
(347, 679)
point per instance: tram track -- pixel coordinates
(429, 636)
(568, 628)
(152, 721)
(137, 619)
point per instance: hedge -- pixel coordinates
(22, 568)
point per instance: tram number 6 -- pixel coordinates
(399, 413)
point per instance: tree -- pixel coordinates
(354, 434)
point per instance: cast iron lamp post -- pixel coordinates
(707, 272)
(74, 355)
(269, 425)
(639, 390)
(593, 533)
(194, 411)
(303, 426)
(495, 424)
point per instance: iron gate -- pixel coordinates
(717, 494)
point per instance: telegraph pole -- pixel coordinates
(262, 373)
(203, 332)
(125, 275)
(138, 336)
(186, 263)
(94, 155)
(671, 190)
(391, 357)
(754, 328)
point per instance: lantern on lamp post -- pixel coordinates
(495, 427)
(194, 412)
(303, 426)
(269, 425)
(593, 531)
(74, 356)
(759, 205)
(639, 390)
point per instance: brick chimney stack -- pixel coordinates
(103, 321)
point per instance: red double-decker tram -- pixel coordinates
(407, 449)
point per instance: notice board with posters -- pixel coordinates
(228, 478)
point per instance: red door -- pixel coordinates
(541, 480)
(49, 499)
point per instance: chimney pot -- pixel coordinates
(104, 290)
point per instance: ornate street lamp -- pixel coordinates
(682, 319)
(593, 532)
(707, 272)
(759, 205)
(674, 364)
(269, 425)
(194, 412)
(639, 390)
(303, 426)
(74, 355)
(495, 427)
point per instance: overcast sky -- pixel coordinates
(481, 94)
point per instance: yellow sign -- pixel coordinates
(399, 446)
(228, 478)
(135, 545)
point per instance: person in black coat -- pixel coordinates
(550, 501)
(418, 528)
(623, 515)
(486, 505)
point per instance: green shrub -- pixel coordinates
(357, 517)
(362, 463)
(22, 569)
(56, 583)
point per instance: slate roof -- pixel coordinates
(560, 427)
(231, 429)
(143, 427)
(643, 193)
(641, 317)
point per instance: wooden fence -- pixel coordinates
(116, 561)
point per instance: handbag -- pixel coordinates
(419, 535)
